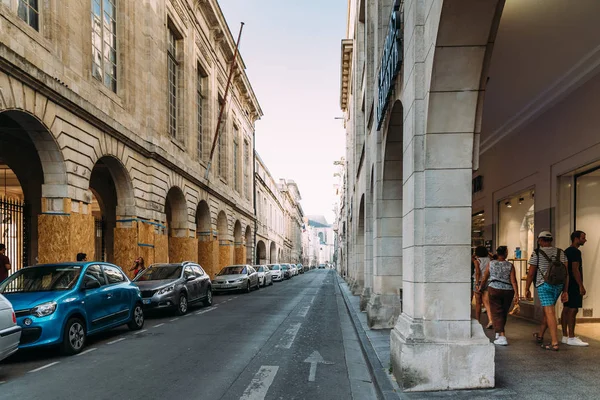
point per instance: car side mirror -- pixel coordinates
(91, 284)
(190, 278)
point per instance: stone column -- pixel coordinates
(65, 228)
(208, 252)
(225, 253)
(239, 253)
(435, 345)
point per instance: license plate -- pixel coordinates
(147, 301)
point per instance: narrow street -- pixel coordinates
(245, 346)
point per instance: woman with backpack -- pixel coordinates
(548, 266)
(501, 280)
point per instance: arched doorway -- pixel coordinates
(208, 244)
(273, 253)
(261, 253)
(249, 245)
(225, 242)
(176, 215)
(112, 196)
(31, 167)
(359, 252)
(238, 244)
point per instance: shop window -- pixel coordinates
(477, 230)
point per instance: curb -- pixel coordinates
(383, 386)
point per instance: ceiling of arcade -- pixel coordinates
(544, 50)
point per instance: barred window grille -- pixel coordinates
(173, 71)
(104, 42)
(29, 12)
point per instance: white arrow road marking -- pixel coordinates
(289, 336)
(314, 359)
(304, 311)
(44, 367)
(260, 384)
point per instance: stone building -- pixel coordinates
(277, 214)
(320, 240)
(454, 142)
(107, 114)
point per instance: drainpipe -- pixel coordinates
(254, 253)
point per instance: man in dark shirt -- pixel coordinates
(4, 263)
(576, 291)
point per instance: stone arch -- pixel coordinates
(112, 200)
(359, 249)
(261, 253)
(29, 150)
(208, 246)
(238, 244)
(176, 218)
(249, 245)
(273, 253)
(225, 242)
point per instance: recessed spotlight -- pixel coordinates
(508, 205)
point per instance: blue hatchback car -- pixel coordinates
(61, 304)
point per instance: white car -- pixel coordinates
(264, 275)
(10, 332)
(276, 272)
(293, 269)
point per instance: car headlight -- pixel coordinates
(240, 280)
(166, 289)
(44, 309)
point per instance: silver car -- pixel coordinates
(174, 286)
(277, 274)
(10, 332)
(264, 275)
(236, 277)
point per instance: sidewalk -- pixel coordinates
(523, 369)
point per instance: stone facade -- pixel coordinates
(128, 144)
(278, 214)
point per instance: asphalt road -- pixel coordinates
(279, 342)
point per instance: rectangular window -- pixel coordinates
(236, 146)
(173, 71)
(222, 147)
(29, 12)
(104, 42)
(247, 169)
(199, 111)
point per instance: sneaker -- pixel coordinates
(565, 339)
(577, 342)
(501, 341)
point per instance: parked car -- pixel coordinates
(62, 304)
(293, 269)
(236, 277)
(276, 272)
(264, 275)
(321, 266)
(287, 273)
(300, 268)
(10, 332)
(174, 286)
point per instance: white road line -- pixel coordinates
(304, 311)
(174, 319)
(157, 325)
(289, 336)
(142, 331)
(312, 300)
(44, 367)
(87, 351)
(187, 315)
(116, 341)
(2, 382)
(207, 310)
(260, 384)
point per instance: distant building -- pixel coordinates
(318, 239)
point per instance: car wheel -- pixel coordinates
(208, 299)
(257, 284)
(137, 322)
(73, 337)
(248, 287)
(182, 305)
(271, 282)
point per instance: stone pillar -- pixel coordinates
(137, 237)
(65, 228)
(239, 253)
(208, 252)
(368, 252)
(435, 345)
(359, 261)
(225, 253)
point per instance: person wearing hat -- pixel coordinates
(539, 263)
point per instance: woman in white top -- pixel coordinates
(481, 260)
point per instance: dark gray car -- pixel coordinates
(174, 286)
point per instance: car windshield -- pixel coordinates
(159, 273)
(235, 270)
(260, 269)
(47, 278)
(284, 267)
(274, 267)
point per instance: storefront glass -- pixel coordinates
(477, 231)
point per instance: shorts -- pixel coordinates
(575, 297)
(549, 294)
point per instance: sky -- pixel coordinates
(292, 54)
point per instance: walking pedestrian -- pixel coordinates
(481, 261)
(501, 280)
(138, 266)
(81, 257)
(551, 282)
(576, 291)
(4, 263)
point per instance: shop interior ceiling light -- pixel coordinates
(521, 200)
(508, 205)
